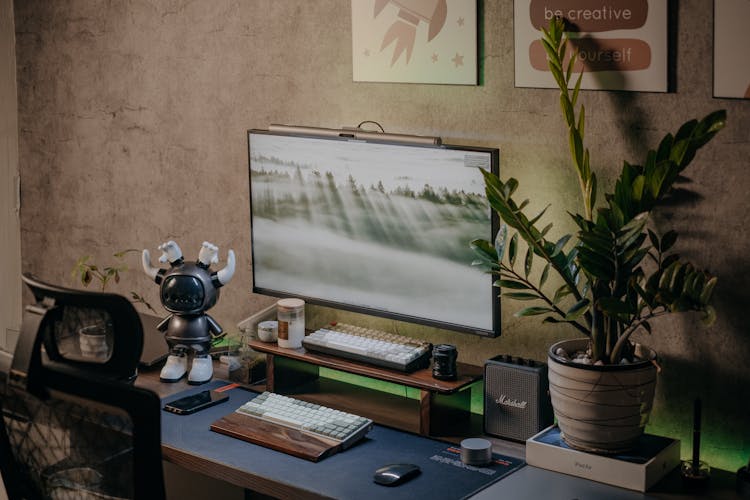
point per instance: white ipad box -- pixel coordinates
(651, 460)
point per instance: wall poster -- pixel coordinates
(415, 41)
(731, 42)
(621, 44)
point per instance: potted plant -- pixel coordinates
(615, 274)
(95, 338)
(86, 272)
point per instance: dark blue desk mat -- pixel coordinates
(346, 474)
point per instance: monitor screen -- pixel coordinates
(373, 227)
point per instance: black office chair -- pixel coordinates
(73, 425)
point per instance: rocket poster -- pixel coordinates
(415, 41)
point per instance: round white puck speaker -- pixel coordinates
(476, 451)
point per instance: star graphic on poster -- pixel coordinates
(458, 60)
(460, 21)
(434, 57)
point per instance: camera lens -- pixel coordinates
(444, 362)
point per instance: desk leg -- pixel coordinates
(269, 372)
(425, 405)
(449, 412)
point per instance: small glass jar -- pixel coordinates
(291, 316)
(268, 331)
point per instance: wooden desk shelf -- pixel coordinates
(443, 408)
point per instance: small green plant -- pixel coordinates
(618, 274)
(87, 272)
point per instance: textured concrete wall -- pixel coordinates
(132, 121)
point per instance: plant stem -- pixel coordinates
(629, 331)
(546, 299)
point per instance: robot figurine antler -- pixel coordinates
(187, 291)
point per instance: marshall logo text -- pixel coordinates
(506, 401)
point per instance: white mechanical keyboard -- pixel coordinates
(370, 346)
(309, 418)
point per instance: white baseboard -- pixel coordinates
(8, 339)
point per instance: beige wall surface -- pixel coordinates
(132, 121)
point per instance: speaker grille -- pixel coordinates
(516, 401)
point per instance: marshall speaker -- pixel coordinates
(516, 398)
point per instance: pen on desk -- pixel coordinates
(696, 434)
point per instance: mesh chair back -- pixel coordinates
(65, 449)
(73, 425)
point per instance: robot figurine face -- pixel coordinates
(188, 289)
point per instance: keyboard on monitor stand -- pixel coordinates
(308, 418)
(376, 347)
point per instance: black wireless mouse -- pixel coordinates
(395, 474)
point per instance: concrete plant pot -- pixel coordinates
(94, 343)
(601, 409)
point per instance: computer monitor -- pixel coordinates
(380, 228)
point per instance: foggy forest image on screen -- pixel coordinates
(379, 226)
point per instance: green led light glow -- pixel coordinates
(477, 390)
(720, 447)
(369, 383)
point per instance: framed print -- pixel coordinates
(621, 44)
(731, 42)
(415, 41)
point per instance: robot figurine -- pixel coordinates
(187, 291)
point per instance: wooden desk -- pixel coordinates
(149, 379)
(529, 480)
(188, 443)
(191, 461)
